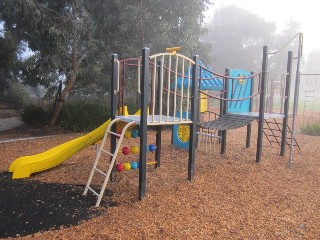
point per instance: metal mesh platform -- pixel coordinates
(236, 120)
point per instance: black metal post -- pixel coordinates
(249, 127)
(225, 109)
(114, 107)
(143, 122)
(194, 116)
(262, 102)
(286, 105)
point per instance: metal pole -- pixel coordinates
(249, 127)
(143, 122)
(194, 116)
(225, 109)
(286, 105)
(262, 102)
(114, 106)
(296, 97)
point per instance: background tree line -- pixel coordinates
(71, 40)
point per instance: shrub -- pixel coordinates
(83, 116)
(35, 116)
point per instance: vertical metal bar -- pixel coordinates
(188, 91)
(143, 122)
(158, 106)
(225, 106)
(175, 89)
(286, 106)
(122, 85)
(153, 79)
(161, 74)
(296, 97)
(249, 127)
(181, 89)
(114, 105)
(168, 85)
(262, 103)
(194, 117)
(138, 83)
(159, 87)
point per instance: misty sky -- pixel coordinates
(306, 12)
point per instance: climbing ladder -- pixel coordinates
(272, 131)
(102, 149)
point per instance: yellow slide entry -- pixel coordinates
(24, 166)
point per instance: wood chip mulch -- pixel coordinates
(231, 197)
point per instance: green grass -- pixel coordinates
(312, 129)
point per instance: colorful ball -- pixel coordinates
(126, 150)
(119, 167)
(127, 166)
(134, 165)
(152, 147)
(134, 133)
(127, 134)
(134, 149)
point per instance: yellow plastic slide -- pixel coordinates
(24, 166)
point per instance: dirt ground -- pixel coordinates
(231, 196)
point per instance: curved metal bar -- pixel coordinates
(286, 44)
(172, 54)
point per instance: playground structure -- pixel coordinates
(168, 90)
(169, 86)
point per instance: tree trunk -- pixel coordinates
(71, 78)
(59, 105)
(70, 82)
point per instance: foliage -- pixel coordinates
(17, 94)
(71, 39)
(35, 116)
(312, 129)
(83, 116)
(7, 61)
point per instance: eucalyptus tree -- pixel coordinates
(71, 40)
(60, 34)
